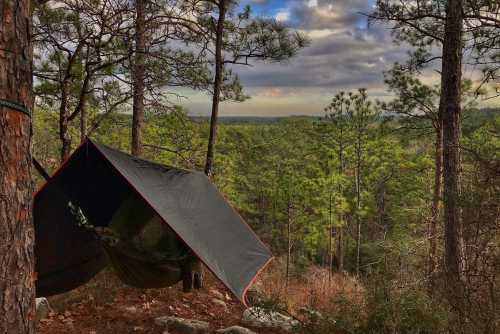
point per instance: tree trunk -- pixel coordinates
(451, 77)
(138, 77)
(340, 247)
(64, 123)
(436, 199)
(83, 119)
(358, 208)
(330, 241)
(289, 242)
(219, 62)
(340, 242)
(198, 283)
(82, 106)
(17, 293)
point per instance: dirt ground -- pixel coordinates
(106, 306)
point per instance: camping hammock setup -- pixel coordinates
(147, 220)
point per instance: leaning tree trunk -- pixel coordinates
(451, 76)
(17, 277)
(217, 87)
(198, 277)
(138, 77)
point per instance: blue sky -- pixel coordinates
(345, 54)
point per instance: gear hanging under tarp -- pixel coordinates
(144, 252)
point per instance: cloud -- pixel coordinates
(312, 3)
(345, 54)
(272, 92)
(282, 15)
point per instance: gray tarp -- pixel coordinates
(99, 180)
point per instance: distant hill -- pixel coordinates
(250, 119)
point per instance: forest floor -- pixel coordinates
(107, 306)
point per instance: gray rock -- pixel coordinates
(42, 308)
(220, 303)
(217, 294)
(310, 313)
(235, 330)
(261, 318)
(183, 326)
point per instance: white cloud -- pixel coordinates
(312, 3)
(283, 15)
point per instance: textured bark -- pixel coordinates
(217, 87)
(16, 230)
(64, 123)
(436, 200)
(340, 234)
(340, 247)
(289, 242)
(138, 75)
(451, 77)
(358, 205)
(83, 119)
(330, 240)
(82, 107)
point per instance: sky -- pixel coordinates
(345, 54)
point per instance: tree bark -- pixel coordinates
(64, 123)
(436, 199)
(289, 241)
(451, 77)
(340, 247)
(340, 242)
(139, 74)
(82, 106)
(330, 241)
(83, 119)
(219, 62)
(358, 205)
(17, 277)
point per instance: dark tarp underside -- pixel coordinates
(99, 180)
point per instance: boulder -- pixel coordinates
(217, 294)
(42, 308)
(261, 318)
(235, 330)
(220, 303)
(183, 326)
(310, 313)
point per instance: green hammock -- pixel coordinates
(143, 250)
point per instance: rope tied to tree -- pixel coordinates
(15, 106)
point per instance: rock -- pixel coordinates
(260, 318)
(130, 309)
(220, 303)
(42, 308)
(310, 313)
(183, 326)
(217, 294)
(235, 330)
